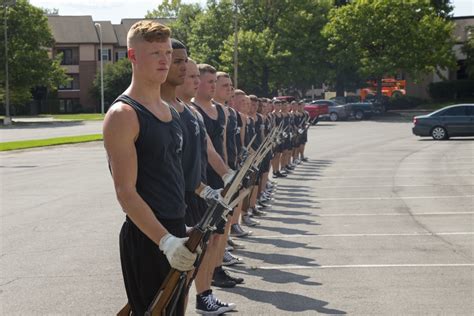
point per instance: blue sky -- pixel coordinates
(115, 10)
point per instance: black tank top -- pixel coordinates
(231, 131)
(160, 179)
(215, 128)
(249, 132)
(191, 160)
(259, 129)
(238, 140)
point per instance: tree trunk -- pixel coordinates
(265, 78)
(379, 90)
(340, 87)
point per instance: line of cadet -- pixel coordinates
(173, 140)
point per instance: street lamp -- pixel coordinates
(101, 70)
(7, 120)
(236, 43)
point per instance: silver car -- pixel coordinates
(339, 112)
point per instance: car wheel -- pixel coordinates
(333, 116)
(439, 133)
(396, 94)
(359, 115)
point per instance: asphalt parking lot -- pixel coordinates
(378, 222)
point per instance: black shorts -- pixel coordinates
(287, 144)
(144, 266)
(304, 138)
(265, 167)
(195, 210)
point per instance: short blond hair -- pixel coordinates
(221, 74)
(239, 92)
(149, 31)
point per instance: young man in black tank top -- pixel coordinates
(278, 156)
(222, 95)
(191, 164)
(143, 140)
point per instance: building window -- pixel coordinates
(70, 56)
(120, 55)
(69, 106)
(106, 54)
(72, 84)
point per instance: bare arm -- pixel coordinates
(215, 160)
(226, 114)
(119, 143)
(242, 129)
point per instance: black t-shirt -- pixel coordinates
(231, 131)
(191, 160)
(160, 179)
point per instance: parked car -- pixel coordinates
(317, 110)
(454, 120)
(361, 110)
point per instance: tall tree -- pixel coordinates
(386, 37)
(181, 14)
(468, 49)
(117, 78)
(29, 63)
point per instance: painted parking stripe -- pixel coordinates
(397, 176)
(395, 214)
(286, 236)
(364, 266)
(399, 198)
(391, 186)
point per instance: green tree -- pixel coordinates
(30, 65)
(182, 16)
(468, 49)
(117, 78)
(209, 30)
(385, 37)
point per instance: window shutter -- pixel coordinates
(99, 54)
(110, 54)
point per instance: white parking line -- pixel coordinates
(286, 236)
(434, 169)
(396, 176)
(356, 266)
(398, 198)
(395, 214)
(391, 186)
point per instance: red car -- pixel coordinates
(318, 109)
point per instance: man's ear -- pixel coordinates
(131, 55)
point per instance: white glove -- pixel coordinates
(228, 177)
(179, 257)
(209, 194)
(285, 135)
(300, 131)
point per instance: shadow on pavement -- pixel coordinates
(291, 220)
(278, 258)
(467, 139)
(281, 277)
(285, 301)
(294, 205)
(283, 230)
(280, 243)
(292, 212)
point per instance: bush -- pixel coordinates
(452, 89)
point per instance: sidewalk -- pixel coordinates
(29, 128)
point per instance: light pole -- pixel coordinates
(7, 120)
(101, 70)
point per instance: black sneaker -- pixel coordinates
(282, 174)
(228, 306)
(258, 213)
(235, 245)
(304, 159)
(263, 204)
(228, 276)
(206, 304)
(220, 279)
(237, 231)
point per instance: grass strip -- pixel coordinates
(82, 116)
(23, 144)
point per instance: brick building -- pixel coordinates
(77, 38)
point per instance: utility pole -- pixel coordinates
(7, 120)
(101, 70)
(236, 43)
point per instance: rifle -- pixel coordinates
(169, 293)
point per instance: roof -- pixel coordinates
(108, 32)
(121, 34)
(73, 29)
